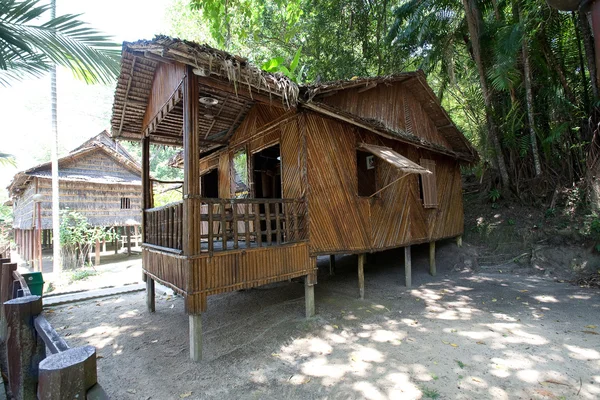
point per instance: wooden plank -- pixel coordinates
(150, 294)
(268, 223)
(257, 228)
(277, 225)
(211, 234)
(223, 225)
(286, 212)
(195, 322)
(247, 224)
(234, 217)
(309, 298)
(53, 341)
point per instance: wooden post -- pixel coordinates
(135, 235)
(97, 256)
(150, 294)
(309, 297)
(195, 337)
(191, 199)
(6, 283)
(25, 348)
(407, 266)
(361, 275)
(68, 374)
(332, 264)
(432, 268)
(116, 239)
(459, 240)
(128, 231)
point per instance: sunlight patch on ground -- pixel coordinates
(581, 353)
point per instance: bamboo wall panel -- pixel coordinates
(235, 270)
(167, 78)
(224, 176)
(292, 160)
(339, 219)
(167, 268)
(23, 208)
(400, 111)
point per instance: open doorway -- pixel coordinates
(209, 184)
(267, 173)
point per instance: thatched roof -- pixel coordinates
(236, 85)
(218, 70)
(95, 144)
(105, 139)
(416, 82)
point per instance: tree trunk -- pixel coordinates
(56, 262)
(590, 53)
(529, 98)
(473, 18)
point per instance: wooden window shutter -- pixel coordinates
(429, 187)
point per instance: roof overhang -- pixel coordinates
(230, 84)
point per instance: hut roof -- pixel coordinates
(105, 139)
(416, 83)
(237, 85)
(95, 144)
(233, 81)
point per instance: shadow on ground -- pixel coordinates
(455, 336)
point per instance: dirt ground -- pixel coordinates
(459, 335)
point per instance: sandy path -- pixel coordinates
(455, 336)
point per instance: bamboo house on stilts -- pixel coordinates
(99, 179)
(276, 175)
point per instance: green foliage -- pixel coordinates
(494, 195)
(430, 393)
(77, 237)
(277, 65)
(82, 274)
(460, 364)
(30, 48)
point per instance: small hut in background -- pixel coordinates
(276, 175)
(98, 179)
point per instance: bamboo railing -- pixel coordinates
(164, 226)
(229, 224)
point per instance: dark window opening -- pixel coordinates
(367, 173)
(267, 173)
(125, 203)
(209, 184)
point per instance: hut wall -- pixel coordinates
(262, 128)
(23, 208)
(341, 221)
(401, 110)
(99, 203)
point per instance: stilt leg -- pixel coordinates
(407, 266)
(150, 294)
(432, 268)
(361, 275)
(332, 264)
(309, 298)
(195, 336)
(459, 241)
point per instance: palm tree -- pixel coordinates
(29, 48)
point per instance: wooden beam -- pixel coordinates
(407, 266)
